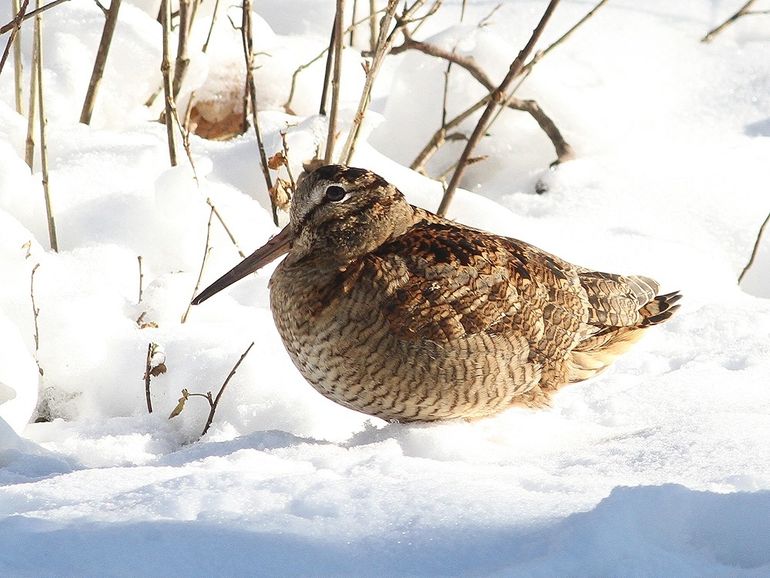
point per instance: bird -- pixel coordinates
(398, 313)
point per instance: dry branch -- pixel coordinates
(27, 15)
(29, 153)
(101, 59)
(742, 11)
(251, 92)
(498, 96)
(153, 368)
(384, 43)
(141, 279)
(186, 14)
(213, 404)
(35, 313)
(15, 27)
(331, 135)
(18, 67)
(755, 249)
(42, 121)
(165, 68)
(206, 251)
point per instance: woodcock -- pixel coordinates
(398, 313)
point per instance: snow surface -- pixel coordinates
(661, 466)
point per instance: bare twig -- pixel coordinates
(15, 27)
(101, 60)
(147, 378)
(213, 404)
(563, 150)
(251, 90)
(206, 251)
(165, 68)
(29, 153)
(211, 27)
(18, 67)
(497, 96)
(42, 121)
(742, 11)
(35, 313)
(154, 366)
(352, 27)
(372, 25)
(182, 56)
(331, 135)
(225, 227)
(141, 279)
(301, 67)
(27, 15)
(327, 70)
(755, 250)
(384, 43)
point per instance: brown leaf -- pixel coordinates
(276, 161)
(180, 406)
(158, 370)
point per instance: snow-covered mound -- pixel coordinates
(661, 466)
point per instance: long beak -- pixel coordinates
(267, 253)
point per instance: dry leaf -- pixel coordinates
(180, 406)
(276, 161)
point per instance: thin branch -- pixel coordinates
(206, 251)
(15, 25)
(35, 313)
(211, 27)
(372, 25)
(327, 69)
(498, 96)
(6, 27)
(18, 67)
(210, 203)
(165, 68)
(384, 43)
(352, 28)
(29, 153)
(42, 122)
(147, 377)
(331, 135)
(101, 60)
(213, 404)
(186, 12)
(248, 54)
(141, 279)
(755, 250)
(322, 108)
(742, 11)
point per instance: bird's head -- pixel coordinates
(338, 214)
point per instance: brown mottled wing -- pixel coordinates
(444, 282)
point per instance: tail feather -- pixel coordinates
(604, 343)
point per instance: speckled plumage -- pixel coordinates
(393, 311)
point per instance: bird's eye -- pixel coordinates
(335, 193)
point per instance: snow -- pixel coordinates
(661, 466)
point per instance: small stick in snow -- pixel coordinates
(331, 136)
(165, 68)
(755, 250)
(42, 121)
(742, 11)
(372, 25)
(213, 404)
(206, 252)
(35, 313)
(101, 59)
(153, 368)
(141, 279)
(213, 401)
(251, 92)
(498, 96)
